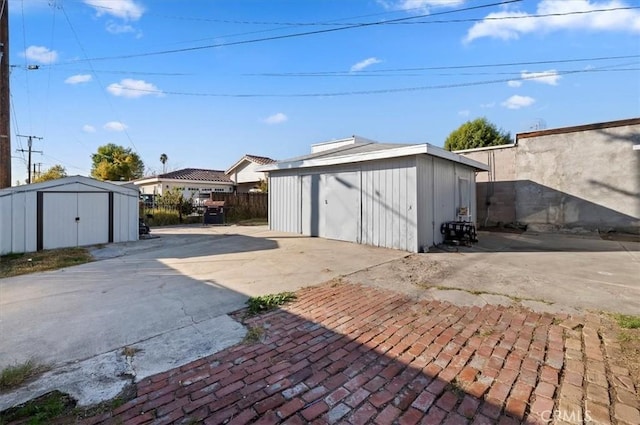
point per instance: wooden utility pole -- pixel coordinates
(30, 151)
(5, 126)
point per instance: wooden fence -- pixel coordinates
(243, 206)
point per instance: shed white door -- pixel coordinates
(340, 216)
(74, 219)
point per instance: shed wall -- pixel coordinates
(440, 194)
(284, 202)
(389, 201)
(19, 213)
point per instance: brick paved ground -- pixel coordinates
(353, 354)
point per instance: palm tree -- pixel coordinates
(164, 158)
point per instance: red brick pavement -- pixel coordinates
(352, 354)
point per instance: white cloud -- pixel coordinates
(514, 83)
(115, 28)
(464, 113)
(488, 105)
(620, 20)
(422, 5)
(364, 64)
(123, 9)
(133, 88)
(115, 126)
(78, 79)
(278, 118)
(88, 128)
(550, 77)
(41, 54)
(517, 102)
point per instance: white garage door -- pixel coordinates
(74, 219)
(341, 193)
(331, 206)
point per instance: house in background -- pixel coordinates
(380, 194)
(244, 173)
(585, 177)
(199, 183)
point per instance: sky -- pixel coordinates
(206, 82)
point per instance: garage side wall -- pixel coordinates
(389, 201)
(125, 217)
(17, 223)
(284, 201)
(443, 187)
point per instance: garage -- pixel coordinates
(381, 194)
(68, 212)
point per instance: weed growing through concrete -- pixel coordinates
(627, 321)
(16, 375)
(268, 302)
(130, 351)
(626, 337)
(254, 334)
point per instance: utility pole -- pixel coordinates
(5, 127)
(30, 138)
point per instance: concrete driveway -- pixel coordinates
(545, 272)
(166, 298)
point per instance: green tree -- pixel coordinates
(476, 134)
(164, 158)
(174, 200)
(113, 162)
(55, 172)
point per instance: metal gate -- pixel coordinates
(68, 219)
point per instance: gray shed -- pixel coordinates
(68, 212)
(387, 195)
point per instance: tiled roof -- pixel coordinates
(197, 174)
(261, 160)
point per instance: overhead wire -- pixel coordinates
(384, 91)
(294, 35)
(102, 87)
(443, 67)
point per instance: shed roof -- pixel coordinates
(65, 181)
(369, 151)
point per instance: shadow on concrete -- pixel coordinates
(530, 241)
(185, 245)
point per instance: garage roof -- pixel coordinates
(369, 151)
(67, 181)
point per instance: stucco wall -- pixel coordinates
(583, 178)
(495, 189)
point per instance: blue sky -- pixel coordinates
(207, 81)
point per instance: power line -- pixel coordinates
(443, 67)
(391, 90)
(295, 35)
(75, 34)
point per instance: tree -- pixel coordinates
(113, 162)
(476, 134)
(55, 172)
(164, 158)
